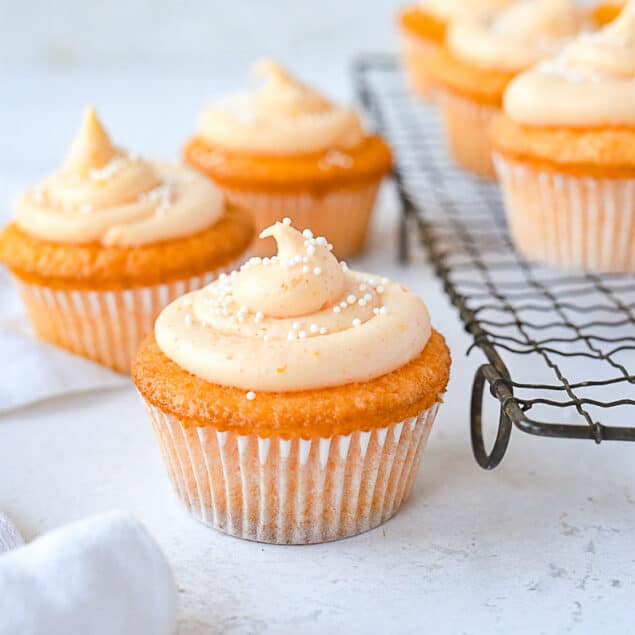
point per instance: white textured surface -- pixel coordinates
(543, 544)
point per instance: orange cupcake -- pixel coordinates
(605, 12)
(423, 30)
(100, 247)
(483, 54)
(292, 399)
(287, 151)
(565, 153)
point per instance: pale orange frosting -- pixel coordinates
(452, 9)
(105, 195)
(283, 117)
(591, 84)
(518, 36)
(297, 321)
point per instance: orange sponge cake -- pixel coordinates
(292, 398)
(285, 150)
(100, 247)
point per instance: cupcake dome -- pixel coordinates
(100, 246)
(424, 27)
(289, 374)
(566, 153)
(483, 54)
(286, 150)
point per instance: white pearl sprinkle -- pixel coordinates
(357, 322)
(383, 310)
(296, 325)
(310, 250)
(307, 233)
(324, 330)
(343, 305)
(368, 297)
(314, 328)
(259, 317)
(306, 269)
(302, 335)
(337, 309)
(351, 299)
(380, 289)
(317, 271)
(363, 287)
(292, 335)
(251, 395)
(362, 302)
(286, 221)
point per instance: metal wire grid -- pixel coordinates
(568, 339)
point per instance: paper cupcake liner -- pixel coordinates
(105, 326)
(343, 216)
(292, 491)
(417, 53)
(572, 222)
(466, 123)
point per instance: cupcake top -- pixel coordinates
(591, 84)
(104, 195)
(297, 321)
(518, 36)
(282, 117)
(452, 9)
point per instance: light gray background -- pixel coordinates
(75, 34)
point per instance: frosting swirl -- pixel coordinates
(591, 84)
(297, 321)
(105, 195)
(518, 36)
(452, 9)
(282, 117)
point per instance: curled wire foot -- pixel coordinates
(487, 461)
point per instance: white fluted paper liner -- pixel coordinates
(568, 221)
(292, 491)
(105, 326)
(342, 215)
(466, 123)
(417, 52)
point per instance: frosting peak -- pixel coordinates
(284, 116)
(286, 285)
(297, 321)
(591, 84)
(105, 195)
(517, 36)
(92, 148)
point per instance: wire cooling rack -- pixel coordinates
(560, 347)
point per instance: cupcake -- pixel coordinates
(292, 399)
(100, 247)
(482, 55)
(565, 153)
(285, 150)
(423, 29)
(606, 12)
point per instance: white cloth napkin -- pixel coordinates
(104, 576)
(32, 371)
